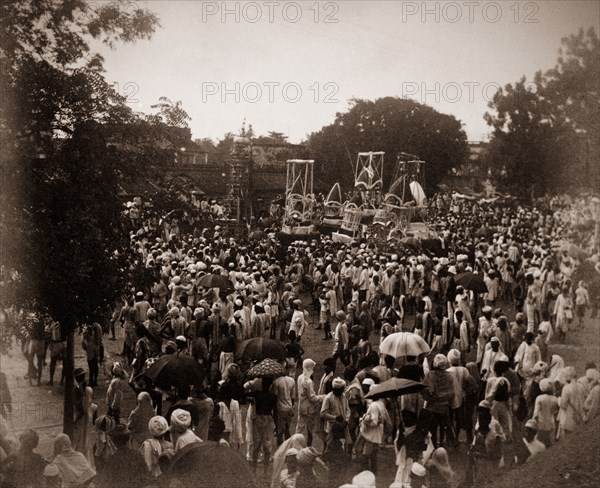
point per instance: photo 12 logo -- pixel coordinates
(269, 92)
(271, 12)
(32, 413)
(127, 90)
(453, 12)
(456, 92)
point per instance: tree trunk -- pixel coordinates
(69, 366)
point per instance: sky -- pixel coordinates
(290, 66)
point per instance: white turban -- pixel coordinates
(592, 374)
(157, 425)
(440, 362)
(307, 455)
(308, 365)
(454, 357)
(181, 419)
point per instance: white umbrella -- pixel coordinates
(403, 344)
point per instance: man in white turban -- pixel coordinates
(181, 434)
(336, 409)
(372, 432)
(152, 448)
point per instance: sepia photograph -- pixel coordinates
(299, 244)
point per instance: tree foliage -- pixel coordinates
(545, 131)
(146, 148)
(170, 113)
(51, 78)
(76, 220)
(393, 125)
(207, 144)
(523, 148)
(62, 239)
(60, 211)
(277, 136)
(272, 138)
(573, 85)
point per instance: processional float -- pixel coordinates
(299, 201)
(404, 210)
(359, 211)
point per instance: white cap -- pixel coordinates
(418, 469)
(365, 479)
(308, 364)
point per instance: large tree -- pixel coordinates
(545, 132)
(60, 223)
(525, 146)
(573, 86)
(393, 125)
(170, 113)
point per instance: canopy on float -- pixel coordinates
(334, 196)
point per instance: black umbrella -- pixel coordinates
(211, 465)
(471, 281)
(176, 370)
(259, 348)
(215, 281)
(394, 387)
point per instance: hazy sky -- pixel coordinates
(290, 66)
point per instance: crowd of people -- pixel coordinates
(492, 389)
